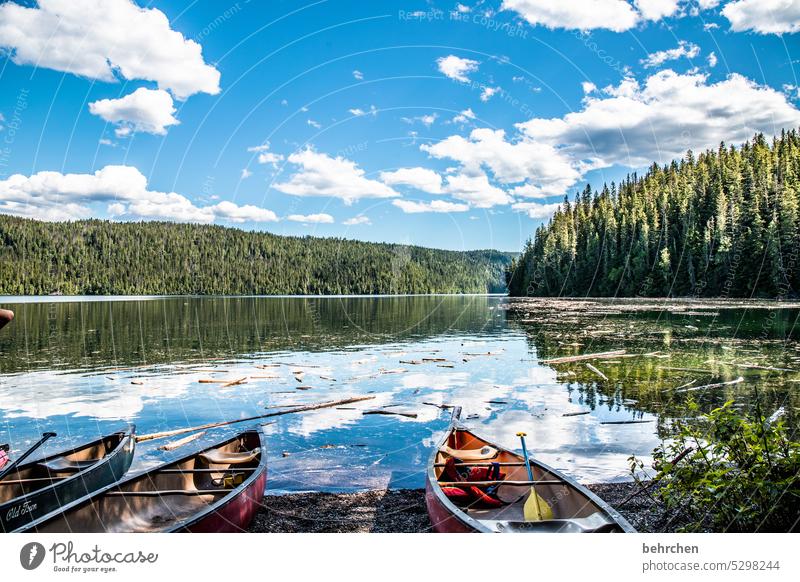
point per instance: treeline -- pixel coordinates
(95, 257)
(722, 224)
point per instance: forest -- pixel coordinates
(96, 257)
(721, 224)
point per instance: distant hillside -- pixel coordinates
(96, 257)
(723, 224)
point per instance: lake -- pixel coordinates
(86, 366)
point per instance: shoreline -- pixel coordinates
(404, 511)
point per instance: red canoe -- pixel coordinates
(483, 502)
(218, 489)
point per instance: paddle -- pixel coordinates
(26, 454)
(535, 508)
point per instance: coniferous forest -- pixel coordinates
(95, 257)
(721, 224)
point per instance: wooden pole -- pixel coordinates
(306, 408)
(597, 356)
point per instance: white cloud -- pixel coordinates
(711, 59)
(265, 156)
(322, 175)
(427, 120)
(311, 218)
(419, 178)
(764, 16)
(684, 49)
(616, 15)
(657, 9)
(145, 110)
(410, 207)
(358, 112)
(535, 210)
(708, 4)
(588, 87)
(462, 8)
(101, 39)
(246, 173)
(314, 124)
(465, 116)
(456, 68)
(634, 125)
(510, 161)
(57, 196)
(358, 75)
(357, 220)
(476, 190)
(488, 93)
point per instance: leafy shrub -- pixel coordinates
(742, 473)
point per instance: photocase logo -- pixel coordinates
(31, 555)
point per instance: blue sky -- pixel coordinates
(445, 124)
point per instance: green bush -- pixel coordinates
(742, 473)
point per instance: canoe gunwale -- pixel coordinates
(475, 524)
(127, 435)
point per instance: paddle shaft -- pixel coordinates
(534, 496)
(26, 454)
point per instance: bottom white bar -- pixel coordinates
(402, 557)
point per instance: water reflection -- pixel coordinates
(82, 368)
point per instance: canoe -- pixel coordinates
(217, 489)
(462, 506)
(36, 488)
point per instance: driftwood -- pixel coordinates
(242, 380)
(389, 412)
(598, 372)
(626, 421)
(577, 413)
(596, 356)
(180, 442)
(306, 408)
(717, 385)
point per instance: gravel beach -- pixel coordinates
(403, 511)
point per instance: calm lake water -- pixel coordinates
(83, 367)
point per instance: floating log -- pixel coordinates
(434, 359)
(595, 356)
(242, 380)
(445, 366)
(626, 421)
(697, 370)
(305, 408)
(389, 412)
(716, 385)
(412, 362)
(577, 413)
(442, 406)
(179, 443)
(598, 372)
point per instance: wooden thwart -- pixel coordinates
(169, 492)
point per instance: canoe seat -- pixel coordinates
(60, 464)
(217, 457)
(471, 454)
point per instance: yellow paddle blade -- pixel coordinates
(536, 508)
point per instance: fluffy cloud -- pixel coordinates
(488, 93)
(100, 39)
(684, 49)
(311, 218)
(464, 117)
(357, 220)
(657, 9)
(510, 161)
(634, 125)
(764, 16)
(410, 207)
(358, 75)
(148, 110)
(419, 178)
(475, 189)
(616, 15)
(57, 196)
(456, 68)
(711, 59)
(630, 124)
(536, 210)
(322, 175)
(265, 156)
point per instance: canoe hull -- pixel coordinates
(234, 516)
(17, 514)
(442, 519)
